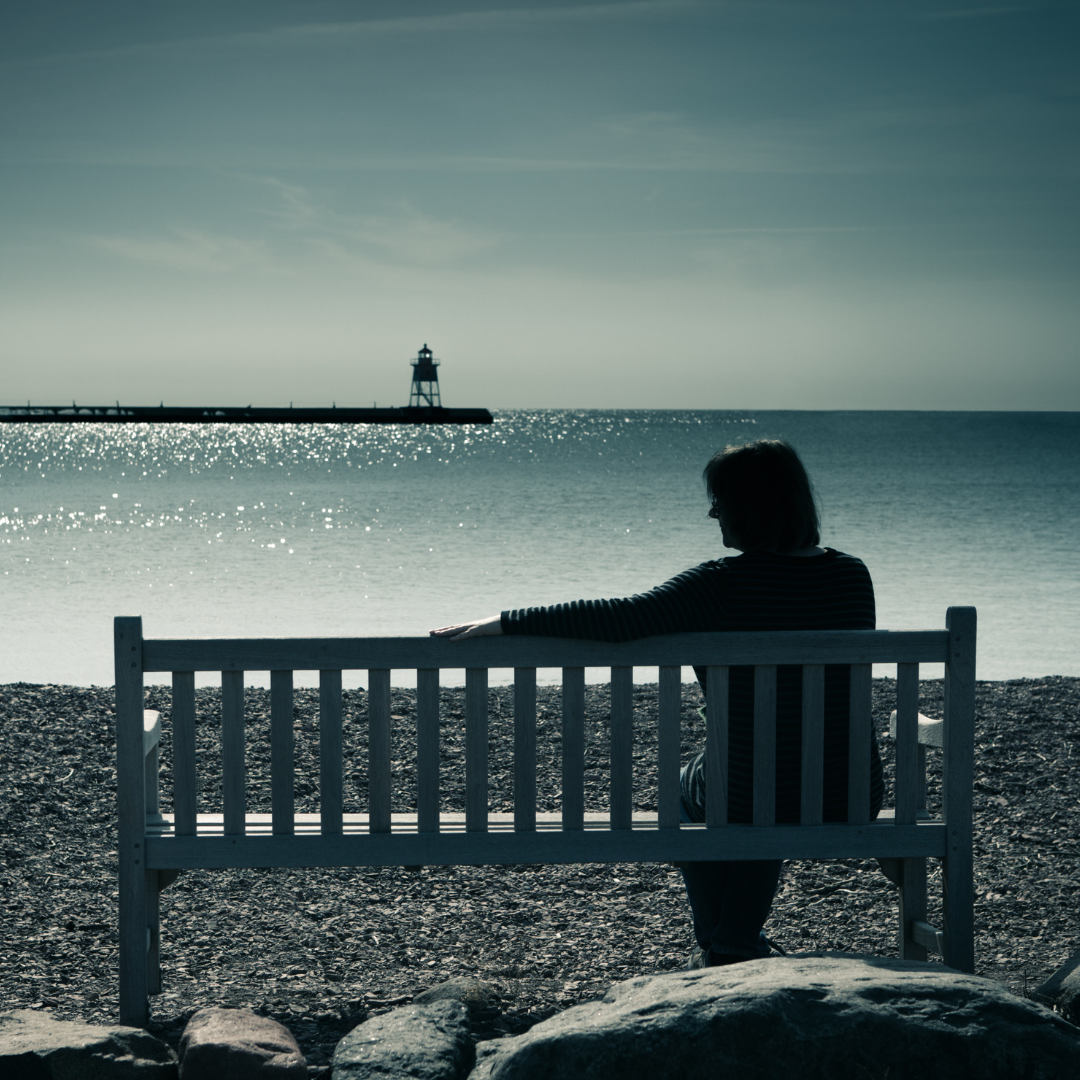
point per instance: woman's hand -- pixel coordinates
(477, 628)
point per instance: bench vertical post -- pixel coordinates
(668, 750)
(573, 748)
(957, 782)
(525, 749)
(427, 750)
(282, 744)
(233, 773)
(131, 823)
(476, 750)
(379, 750)
(717, 679)
(183, 731)
(907, 743)
(860, 733)
(331, 796)
(764, 744)
(622, 747)
(812, 785)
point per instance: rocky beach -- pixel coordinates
(322, 950)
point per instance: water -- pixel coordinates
(282, 531)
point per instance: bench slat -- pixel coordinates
(669, 747)
(764, 744)
(622, 747)
(232, 751)
(907, 780)
(379, 749)
(476, 748)
(773, 647)
(594, 843)
(573, 747)
(330, 751)
(859, 729)
(185, 783)
(427, 749)
(525, 748)
(716, 747)
(282, 752)
(813, 745)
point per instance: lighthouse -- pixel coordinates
(425, 381)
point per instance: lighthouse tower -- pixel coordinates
(425, 381)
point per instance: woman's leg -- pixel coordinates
(730, 902)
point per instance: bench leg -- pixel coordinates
(133, 945)
(958, 915)
(912, 906)
(153, 935)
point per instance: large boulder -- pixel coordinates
(477, 996)
(34, 1046)
(1062, 989)
(825, 1016)
(424, 1042)
(240, 1045)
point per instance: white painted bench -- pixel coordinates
(153, 847)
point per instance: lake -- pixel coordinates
(272, 530)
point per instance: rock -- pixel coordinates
(1062, 989)
(238, 1044)
(476, 995)
(35, 1046)
(426, 1042)
(823, 1016)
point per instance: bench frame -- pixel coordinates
(154, 847)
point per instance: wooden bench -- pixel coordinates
(153, 846)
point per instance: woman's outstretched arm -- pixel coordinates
(477, 628)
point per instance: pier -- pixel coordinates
(425, 407)
(171, 414)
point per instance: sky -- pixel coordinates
(655, 204)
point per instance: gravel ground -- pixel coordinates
(322, 950)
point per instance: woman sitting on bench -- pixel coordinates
(783, 580)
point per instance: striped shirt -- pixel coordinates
(753, 591)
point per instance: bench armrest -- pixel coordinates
(151, 719)
(931, 732)
(151, 739)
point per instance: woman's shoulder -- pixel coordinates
(754, 563)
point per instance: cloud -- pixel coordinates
(402, 234)
(463, 21)
(411, 236)
(983, 12)
(303, 236)
(196, 252)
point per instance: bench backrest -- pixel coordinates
(953, 646)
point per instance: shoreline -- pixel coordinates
(323, 949)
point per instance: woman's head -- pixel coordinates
(764, 494)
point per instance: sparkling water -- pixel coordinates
(333, 530)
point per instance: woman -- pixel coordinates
(783, 580)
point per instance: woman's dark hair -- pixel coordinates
(766, 496)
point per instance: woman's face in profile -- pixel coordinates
(727, 538)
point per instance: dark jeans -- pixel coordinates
(730, 902)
